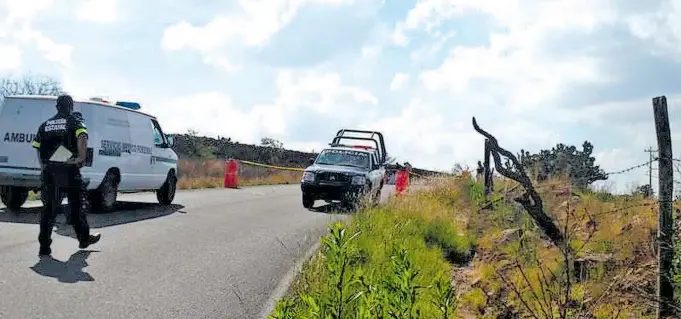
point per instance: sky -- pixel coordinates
(533, 73)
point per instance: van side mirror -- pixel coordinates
(310, 161)
(170, 140)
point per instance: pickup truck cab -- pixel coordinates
(345, 173)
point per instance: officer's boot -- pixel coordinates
(91, 240)
(45, 249)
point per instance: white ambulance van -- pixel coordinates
(127, 150)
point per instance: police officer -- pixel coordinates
(68, 131)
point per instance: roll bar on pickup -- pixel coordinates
(380, 143)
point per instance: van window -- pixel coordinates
(159, 138)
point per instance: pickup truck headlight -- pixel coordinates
(358, 180)
(308, 177)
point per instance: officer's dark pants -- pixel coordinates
(58, 179)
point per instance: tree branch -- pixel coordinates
(530, 200)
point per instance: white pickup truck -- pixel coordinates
(345, 172)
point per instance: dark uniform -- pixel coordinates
(62, 129)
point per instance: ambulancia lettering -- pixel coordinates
(15, 137)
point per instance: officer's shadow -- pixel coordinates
(70, 271)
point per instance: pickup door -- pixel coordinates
(375, 175)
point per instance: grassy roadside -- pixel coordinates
(217, 182)
(211, 174)
(413, 258)
(394, 261)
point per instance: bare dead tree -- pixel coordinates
(530, 199)
(30, 85)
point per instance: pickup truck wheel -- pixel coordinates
(377, 198)
(13, 197)
(308, 201)
(166, 193)
(103, 198)
(353, 201)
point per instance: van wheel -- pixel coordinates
(13, 197)
(166, 193)
(103, 199)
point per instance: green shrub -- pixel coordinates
(457, 249)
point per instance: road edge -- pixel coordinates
(285, 282)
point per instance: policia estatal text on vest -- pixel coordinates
(67, 131)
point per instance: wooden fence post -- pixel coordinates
(665, 232)
(487, 174)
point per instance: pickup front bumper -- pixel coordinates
(325, 191)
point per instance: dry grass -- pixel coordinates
(516, 271)
(616, 234)
(211, 174)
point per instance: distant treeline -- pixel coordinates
(189, 146)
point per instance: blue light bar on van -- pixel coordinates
(130, 105)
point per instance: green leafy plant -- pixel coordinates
(336, 247)
(445, 298)
(285, 309)
(402, 286)
(457, 249)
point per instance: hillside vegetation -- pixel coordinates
(202, 161)
(435, 254)
(539, 243)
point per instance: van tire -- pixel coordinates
(13, 197)
(103, 199)
(166, 194)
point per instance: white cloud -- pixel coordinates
(103, 11)
(10, 57)
(297, 92)
(425, 52)
(16, 30)
(421, 134)
(252, 26)
(24, 10)
(52, 51)
(318, 92)
(399, 81)
(523, 75)
(371, 51)
(513, 75)
(217, 116)
(660, 27)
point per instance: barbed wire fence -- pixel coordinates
(653, 202)
(546, 173)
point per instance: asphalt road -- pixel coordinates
(213, 254)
